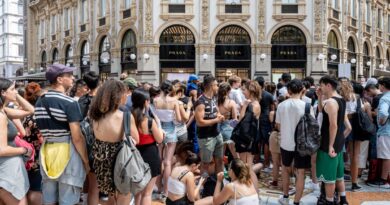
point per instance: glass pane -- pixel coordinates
(128, 39)
(332, 40)
(288, 35)
(351, 45)
(233, 35)
(177, 35)
(365, 49)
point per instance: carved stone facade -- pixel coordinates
(204, 19)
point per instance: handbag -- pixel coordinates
(131, 173)
(363, 128)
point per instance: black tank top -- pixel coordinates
(340, 140)
(210, 112)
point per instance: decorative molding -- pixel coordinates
(243, 16)
(103, 29)
(187, 15)
(148, 22)
(300, 15)
(205, 20)
(141, 21)
(317, 20)
(261, 19)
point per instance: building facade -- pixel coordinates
(155, 40)
(11, 37)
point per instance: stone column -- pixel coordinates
(206, 66)
(150, 69)
(359, 65)
(263, 66)
(116, 67)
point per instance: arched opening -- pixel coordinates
(333, 54)
(352, 57)
(55, 56)
(104, 58)
(177, 53)
(84, 58)
(43, 61)
(129, 53)
(378, 58)
(69, 56)
(366, 61)
(232, 53)
(288, 54)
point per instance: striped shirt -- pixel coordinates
(63, 109)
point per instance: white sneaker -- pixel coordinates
(312, 186)
(267, 170)
(385, 186)
(284, 201)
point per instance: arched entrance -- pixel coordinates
(288, 54)
(55, 56)
(43, 61)
(177, 53)
(129, 53)
(84, 58)
(333, 54)
(69, 56)
(232, 53)
(104, 58)
(366, 61)
(352, 57)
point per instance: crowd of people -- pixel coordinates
(205, 141)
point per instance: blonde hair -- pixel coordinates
(346, 91)
(241, 170)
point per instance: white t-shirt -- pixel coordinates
(283, 91)
(236, 96)
(307, 99)
(288, 114)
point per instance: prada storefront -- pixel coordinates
(288, 54)
(177, 53)
(232, 53)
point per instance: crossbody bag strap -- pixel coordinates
(126, 126)
(307, 108)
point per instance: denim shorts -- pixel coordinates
(226, 132)
(209, 147)
(57, 192)
(170, 132)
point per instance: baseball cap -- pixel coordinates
(193, 77)
(130, 82)
(371, 81)
(57, 69)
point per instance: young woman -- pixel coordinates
(250, 110)
(107, 121)
(14, 183)
(227, 108)
(149, 135)
(241, 190)
(33, 135)
(181, 184)
(185, 106)
(167, 110)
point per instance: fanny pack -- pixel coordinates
(55, 155)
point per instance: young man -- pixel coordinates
(235, 93)
(286, 78)
(91, 79)
(288, 114)
(207, 119)
(131, 84)
(58, 118)
(267, 104)
(330, 162)
(311, 91)
(383, 141)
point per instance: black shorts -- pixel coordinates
(151, 156)
(299, 162)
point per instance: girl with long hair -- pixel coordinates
(14, 183)
(149, 135)
(227, 108)
(107, 123)
(168, 111)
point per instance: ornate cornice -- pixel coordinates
(261, 24)
(205, 20)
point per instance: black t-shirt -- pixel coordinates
(84, 103)
(266, 101)
(339, 140)
(311, 93)
(210, 112)
(375, 101)
(185, 101)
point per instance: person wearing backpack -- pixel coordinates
(149, 135)
(108, 129)
(91, 79)
(330, 161)
(288, 114)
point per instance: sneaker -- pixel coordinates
(376, 183)
(103, 196)
(267, 170)
(163, 198)
(312, 186)
(385, 186)
(291, 191)
(356, 187)
(284, 201)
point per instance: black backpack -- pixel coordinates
(84, 103)
(307, 137)
(246, 130)
(363, 128)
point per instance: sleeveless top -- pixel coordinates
(245, 200)
(339, 140)
(12, 131)
(210, 112)
(176, 186)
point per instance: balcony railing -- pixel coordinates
(126, 13)
(233, 8)
(53, 37)
(83, 28)
(67, 33)
(102, 21)
(177, 8)
(336, 14)
(353, 22)
(289, 9)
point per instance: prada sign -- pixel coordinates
(233, 52)
(177, 52)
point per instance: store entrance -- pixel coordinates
(298, 73)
